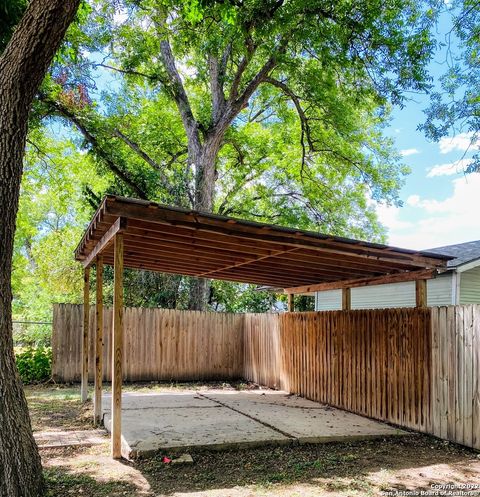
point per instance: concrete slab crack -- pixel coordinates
(253, 418)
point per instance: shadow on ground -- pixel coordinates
(360, 468)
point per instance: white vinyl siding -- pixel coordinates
(470, 286)
(439, 292)
(328, 301)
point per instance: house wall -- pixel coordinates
(439, 292)
(470, 286)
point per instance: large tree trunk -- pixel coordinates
(205, 161)
(23, 65)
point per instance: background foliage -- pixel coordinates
(34, 364)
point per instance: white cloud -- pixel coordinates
(437, 222)
(390, 216)
(449, 169)
(409, 151)
(413, 200)
(462, 142)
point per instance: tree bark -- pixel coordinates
(23, 65)
(205, 159)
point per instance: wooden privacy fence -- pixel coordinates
(456, 374)
(371, 362)
(159, 344)
(417, 368)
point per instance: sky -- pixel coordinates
(441, 203)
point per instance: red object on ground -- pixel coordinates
(166, 460)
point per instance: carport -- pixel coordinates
(145, 235)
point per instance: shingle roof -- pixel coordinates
(464, 252)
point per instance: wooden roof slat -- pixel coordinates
(216, 264)
(300, 261)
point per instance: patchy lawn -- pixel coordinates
(58, 408)
(361, 468)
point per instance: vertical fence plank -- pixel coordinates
(460, 375)
(468, 378)
(476, 377)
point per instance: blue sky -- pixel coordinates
(441, 203)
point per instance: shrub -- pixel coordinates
(34, 364)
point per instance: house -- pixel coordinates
(460, 284)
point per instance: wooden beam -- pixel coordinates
(97, 402)
(291, 302)
(424, 274)
(117, 227)
(421, 293)
(346, 299)
(117, 348)
(86, 318)
(251, 261)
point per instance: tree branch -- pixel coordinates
(253, 84)
(141, 153)
(130, 72)
(251, 47)
(177, 89)
(68, 114)
(304, 125)
(216, 83)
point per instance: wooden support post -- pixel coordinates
(117, 348)
(97, 400)
(86, 319)
(421, 293)
(291, 302)
(346, 299)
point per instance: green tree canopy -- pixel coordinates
(455, 105)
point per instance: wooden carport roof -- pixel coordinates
(173, 240)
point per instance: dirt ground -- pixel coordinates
(363, 468)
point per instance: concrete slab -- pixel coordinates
(137, 400)
(146, 431)
(69, 438)
(221, 419)
(302, 419)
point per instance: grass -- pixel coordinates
(345, 469)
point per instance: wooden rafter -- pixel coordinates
(118, 226)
